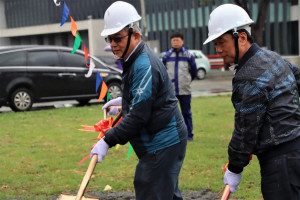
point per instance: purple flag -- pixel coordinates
(65, 14)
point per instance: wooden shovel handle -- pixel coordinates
(106, 109)
(93, 163)
(105, 113)
(226, 193)
(87, 176)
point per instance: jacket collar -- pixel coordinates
(251, 51)
(134, 54)
(182, 49)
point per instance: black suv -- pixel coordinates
(31, 74)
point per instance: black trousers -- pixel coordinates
(185, 105)
(156, 175)
(280, 177)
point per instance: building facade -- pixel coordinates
(38, 22)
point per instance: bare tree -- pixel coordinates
(258, 27)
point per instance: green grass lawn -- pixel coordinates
(40, 151)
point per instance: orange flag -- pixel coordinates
(73, 27)
(103, 92)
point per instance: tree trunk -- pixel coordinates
(258, 28)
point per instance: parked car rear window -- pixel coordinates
(72, 60)
(43, 58)
(13, 59)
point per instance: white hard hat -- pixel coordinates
(117, 16)
(225, 18)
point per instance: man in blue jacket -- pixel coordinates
(266, 101)
(151, 122)
(182, 69)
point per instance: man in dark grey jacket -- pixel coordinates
(151, 122)
(266, 101)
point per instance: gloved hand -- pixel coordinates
(101, 149)
(114, 102)
(232, 179)
(113, 111)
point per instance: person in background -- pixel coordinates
(152, 122)
(266, 101)
(117, 62)
(182, 69)
(119, 65)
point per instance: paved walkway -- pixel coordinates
(217, 82)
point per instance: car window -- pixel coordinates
(99, 65)
(13, 59)
(72, 60)
(197, 55)
(43, 58)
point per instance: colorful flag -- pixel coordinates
(92, 66)
(108, 96)
(65, 14)
(129, 151)
(86, 54)
(103, 91)
(98, 81)
(76, 43)
(74, 27)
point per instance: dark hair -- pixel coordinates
(176, 34)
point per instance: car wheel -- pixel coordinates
(201, 74)
(83, 102)
(21, 100)
(114, 90)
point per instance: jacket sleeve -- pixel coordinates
(296, 72)
(193, 66)
(166, 57)
(250, 107)
(139, 111)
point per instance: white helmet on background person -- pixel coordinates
(227, 17)
(117, 16)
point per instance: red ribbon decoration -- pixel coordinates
(101, 127)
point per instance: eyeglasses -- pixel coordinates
(116, 39)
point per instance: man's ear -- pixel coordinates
(137, 35)
(243, 38)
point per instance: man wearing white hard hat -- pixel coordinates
(266, 100)
(152, 122)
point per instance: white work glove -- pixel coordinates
(232, 179)
(114, 102)
(101, 149)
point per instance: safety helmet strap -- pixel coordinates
(236, 42)
(130, 31)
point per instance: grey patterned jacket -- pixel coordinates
(266, 101)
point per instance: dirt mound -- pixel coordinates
(193, 195)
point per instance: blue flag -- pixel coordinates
(98, 81)
(65, 14)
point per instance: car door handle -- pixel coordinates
(66, 74)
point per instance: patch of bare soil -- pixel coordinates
(193, 195)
